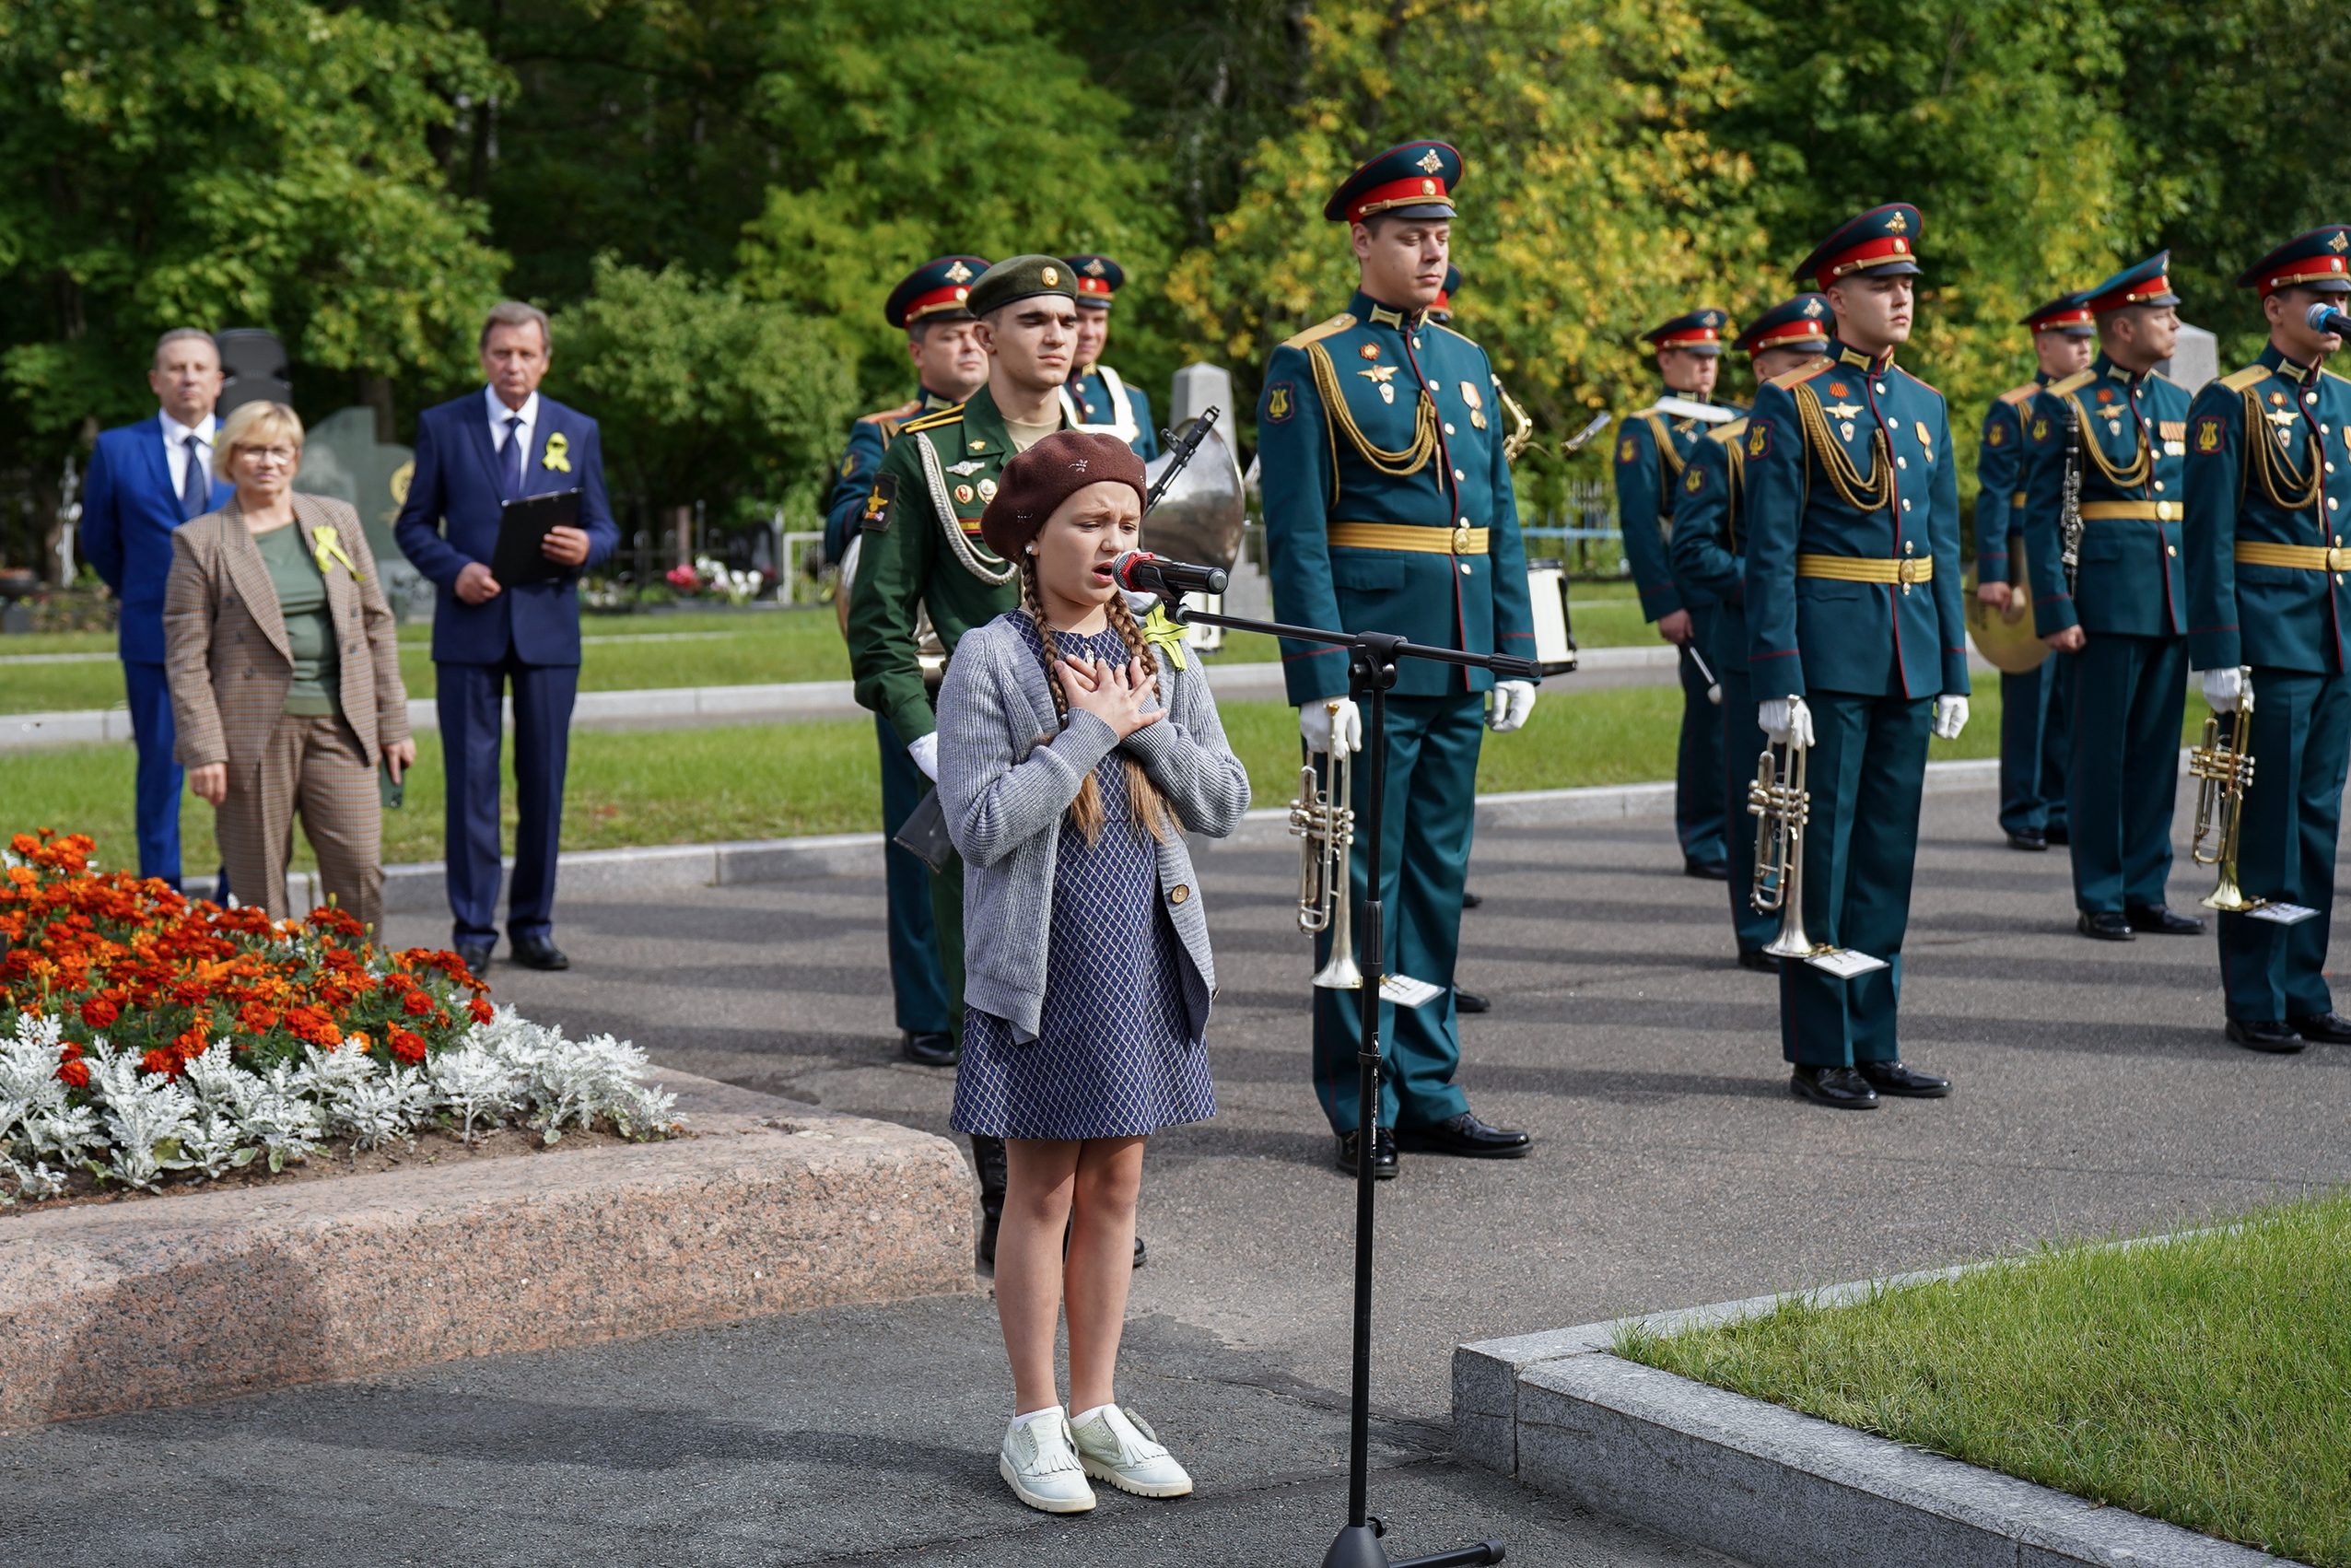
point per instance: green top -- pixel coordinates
(922, 551)
(309, 624)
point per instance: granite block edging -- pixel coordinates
(418, 888)
(1765, 1484)
(766, 1207)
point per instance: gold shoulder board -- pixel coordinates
(1316, 333)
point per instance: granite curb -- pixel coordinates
(419, 887)
(1754, 1481)
(766, 1206)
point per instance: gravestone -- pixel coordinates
(2195, 359)
(341, 458)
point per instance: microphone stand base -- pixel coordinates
(1358, 1546)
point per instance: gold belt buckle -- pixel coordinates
(1907, 571)
(2338, 559)
(1460, 540)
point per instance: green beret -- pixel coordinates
(1021, 277)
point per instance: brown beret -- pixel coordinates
(1050, 472)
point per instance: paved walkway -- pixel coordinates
(2095, 1095)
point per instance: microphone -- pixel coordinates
(2326, 318)
(1140, 571)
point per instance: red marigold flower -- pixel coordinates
(100, 1013)
(409, 1048)
(160, 1062)
(74, 1074)
(416, 1004)
(481, 1010)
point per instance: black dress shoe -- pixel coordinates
(1467, 1135)
(476, 955)
(537, 953)
(2104, 925)
(1706, 870)
(2265, 1034)
(1840, 1087)
(930, 1050)
(1141, 1252)
(2057, 833)
(1383, 1153)
(2033, 842)
(1470, 900)
(2155, 918)
(1894, 1078)
(2323, 1028)
(1470, 1001)
(1755, 958)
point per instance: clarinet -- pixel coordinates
(2069, 504)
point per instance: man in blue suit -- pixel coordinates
(145, 481)
(472, 456)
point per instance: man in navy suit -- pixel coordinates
(472, 456)
(146, 480)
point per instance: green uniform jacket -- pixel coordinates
(1649, 459)
(2274, 433)
(1815, 486)
(1316, 470)
(923, 551)
(2000, 475)
(869, 442)
(2134, 446)
(1709, 565)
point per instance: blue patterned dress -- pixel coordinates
(1115, 1056)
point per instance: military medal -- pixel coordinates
(966, 468)
(962, 495)
(988, 489)
(1380, 376)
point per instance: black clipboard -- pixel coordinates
(523, 524)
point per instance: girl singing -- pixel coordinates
(1074, 754)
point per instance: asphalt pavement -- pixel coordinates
(2095, 1096)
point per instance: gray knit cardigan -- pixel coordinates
(1005, 794)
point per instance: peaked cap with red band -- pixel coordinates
(1416, 180)
(1099, 280)
(935, 289)
(1700, 332)
(1800, 322)
(2067, 314)
(2319, 259)
(2142, 284)
(1883, 240)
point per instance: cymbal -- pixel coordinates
(2006, 638)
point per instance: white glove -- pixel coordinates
(1511, 702)
(1950, 717)
(1786, 720)
(1325, 718)
(924, 749)
(2223, 689)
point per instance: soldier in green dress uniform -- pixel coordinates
(943, 341)
(1656, 442)
(2033, 731)
(1388, 508)
(2269, 623)
(1096, 398)
(921, 557)
(2125, 616)
(1857, 645)
(1710, 566)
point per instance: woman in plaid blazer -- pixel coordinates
(284, 673)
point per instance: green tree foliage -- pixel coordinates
(703, 395)
(189, 162)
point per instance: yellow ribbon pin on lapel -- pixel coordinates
(1165, 636)
(328, 547)
(558, 457)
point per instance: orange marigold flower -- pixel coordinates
(481, 1010)
(160, 1062)
(74, 1074)
(416, 1004)
(409, 1048)
(25, 844)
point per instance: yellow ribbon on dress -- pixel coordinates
(558, 456)
(327, 548)
(1165, 636)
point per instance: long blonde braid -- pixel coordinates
(1152, 810)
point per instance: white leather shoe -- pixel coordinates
(1116, 1447)
(1039, 1465)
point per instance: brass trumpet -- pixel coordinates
(2223, 769)
(1324, 824)
(1781, 805)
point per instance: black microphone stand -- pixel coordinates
(1372, 658)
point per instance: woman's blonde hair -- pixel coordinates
(256, 425)
(1153, 815)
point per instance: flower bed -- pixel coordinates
(144, 1035)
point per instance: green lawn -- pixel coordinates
(638, 652)
(772, 780)
(2199, 1380)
